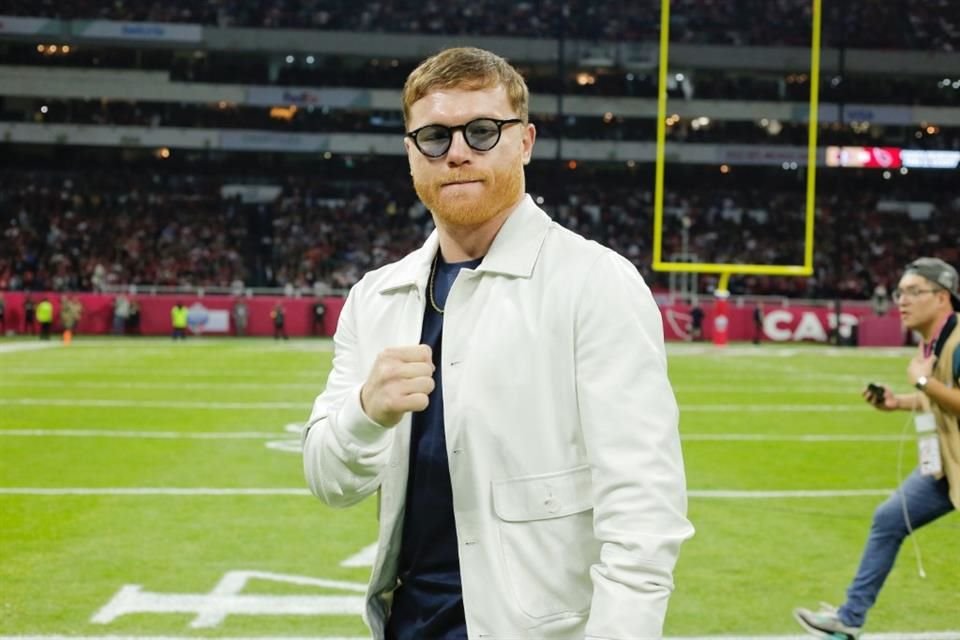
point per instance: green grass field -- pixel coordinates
(153, 488)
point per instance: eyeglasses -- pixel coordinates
(482, 134)
(910, 293)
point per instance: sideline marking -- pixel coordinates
(292, 491)
(363, 558)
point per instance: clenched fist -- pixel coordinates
(400, 381)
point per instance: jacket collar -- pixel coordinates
(514, 250)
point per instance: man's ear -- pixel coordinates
(529, 137)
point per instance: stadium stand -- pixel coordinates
(259, 143)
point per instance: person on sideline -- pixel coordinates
(45, 317)
(927, 297)
(278, 316)
(179, 318)
(504, 390)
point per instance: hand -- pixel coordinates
(920, 366)
(401, 380)
(887, 402)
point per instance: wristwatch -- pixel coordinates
(921, 383)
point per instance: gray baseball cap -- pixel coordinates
(939, 273)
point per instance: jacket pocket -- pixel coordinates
(547, 541)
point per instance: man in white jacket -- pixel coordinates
(504, 388)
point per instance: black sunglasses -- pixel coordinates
(482, 134)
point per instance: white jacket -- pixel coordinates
(561, 428)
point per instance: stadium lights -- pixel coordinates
(584, 79)
(290, 59)
(283, 113)
(44, 109)
(52, 49)
(724, 169)
(311, 59)
(700, 123)
(327, 155)
(608, 117)
(163, 153)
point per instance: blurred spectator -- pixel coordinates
(278, 316)
(133, 320)
(45, 317)
(121, 314)
(240, 317)
(178, 319)
(29, 317)
(71, 309)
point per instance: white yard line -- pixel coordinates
(802, 493)
(147, 435)
(774, 408)
(185, 385)
(293, 491)
(268, 435)
(197, 404)
(153, 404)
(763, 437)
(895, 635)
(150, 491)
(197, 370)
(17, 347)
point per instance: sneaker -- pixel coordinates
(826, 623)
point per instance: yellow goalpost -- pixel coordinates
(726, 269)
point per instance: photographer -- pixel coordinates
(927, 299)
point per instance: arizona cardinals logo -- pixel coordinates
(679, 322)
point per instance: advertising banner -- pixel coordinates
(28, 26)
(212, 315)
(150, 31)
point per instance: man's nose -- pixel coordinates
(459, 151)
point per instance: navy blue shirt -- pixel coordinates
(429, 601)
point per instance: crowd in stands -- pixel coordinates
(890, 24)
(89, 230)
(607, 128)
(254, 68)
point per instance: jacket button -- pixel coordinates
(552, 505)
